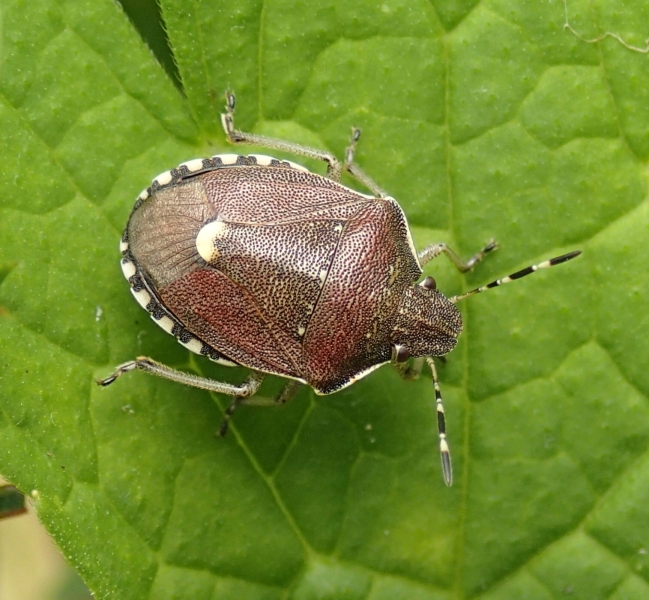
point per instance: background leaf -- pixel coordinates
(485, 119)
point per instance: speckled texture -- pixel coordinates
(306, 278)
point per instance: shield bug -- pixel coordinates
(255, 261)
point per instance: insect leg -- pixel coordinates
(355, 171)
(444, 451)
(434, 250)
(410, 369)
(142, 363)
(334, 166)
(287, 393)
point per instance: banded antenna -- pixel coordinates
(445, 453)
(522, 273)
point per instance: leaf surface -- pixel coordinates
(485, 120)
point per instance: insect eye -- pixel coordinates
(429, 284)
(400, 353)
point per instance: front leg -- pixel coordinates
(434, 250)
(334, 166)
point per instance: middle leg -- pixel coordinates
(288, 392)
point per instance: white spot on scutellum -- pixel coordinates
(166, 323)
(193, 165)
(205, 240)
(300, 331)
(323, 275)
(194, 345)
(143, 297)
(163, 178)
(128, 268)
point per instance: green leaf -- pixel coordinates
(485, 120)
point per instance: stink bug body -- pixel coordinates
(258, 262)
